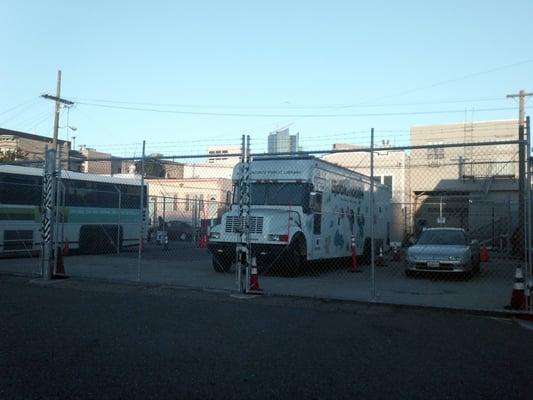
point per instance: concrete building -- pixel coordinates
(471, 187)
(207, 171)
(97, 162)
(155, 168)
(217, 165)
(189, 200)
(216, 154)
(391, 169)
(32, 146)
(280, 141)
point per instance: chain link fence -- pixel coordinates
(443, 224)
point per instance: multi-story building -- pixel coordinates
(217, 166)
(280, 141)
(97, 162)
(474, 187)
(391, 169)
(217, 154)
(155, 168)
(189, 200)
(32, 146)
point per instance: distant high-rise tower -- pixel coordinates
(280, 141)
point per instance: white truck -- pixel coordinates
(302, 209)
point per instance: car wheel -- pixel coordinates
(222, 264)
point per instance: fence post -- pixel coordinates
(57, 207)
(141, 221)
(48, 214)
(372, 222)
(529, 272)
(243, 262)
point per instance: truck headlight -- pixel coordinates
(278, 238)
(454, 258)
(214, 235)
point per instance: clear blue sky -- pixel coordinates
(275, 57)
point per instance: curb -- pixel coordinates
(509, 314)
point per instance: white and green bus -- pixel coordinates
(97, 213)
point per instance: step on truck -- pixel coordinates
(303, 209)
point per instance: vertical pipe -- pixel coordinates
(528, 213)
(141, 220)
(238, 268)
(58, 214)
(521, 186)
(118, 226)
(249, 208)
(372, 250)
(493, 229)
(164, 211)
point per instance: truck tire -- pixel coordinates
(297, 257)
(222, 264)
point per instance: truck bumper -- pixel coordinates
(264, 253)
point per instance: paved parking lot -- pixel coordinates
(187, 265)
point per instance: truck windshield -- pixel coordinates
(278, 194)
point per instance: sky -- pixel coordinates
(185, 75)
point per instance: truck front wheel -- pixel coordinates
(297, 257)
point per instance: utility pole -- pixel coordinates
(521, 164)
(57, 98)
(51, 190)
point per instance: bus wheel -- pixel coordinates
(222, 264)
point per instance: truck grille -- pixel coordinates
(233, 225)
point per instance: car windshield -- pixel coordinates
(442, 237)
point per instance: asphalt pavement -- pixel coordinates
(184, 264)
(86, 340)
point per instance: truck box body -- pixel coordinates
(304, 199)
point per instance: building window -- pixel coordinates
(435, 153)
(175, 204)
(187, 203)
(387, 180)
(377, 179)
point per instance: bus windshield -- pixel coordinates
(278, 194)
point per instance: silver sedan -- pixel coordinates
(443, 250)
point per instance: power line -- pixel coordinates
(288, 106)
(258, 115)
(32, 100)
(453, 80)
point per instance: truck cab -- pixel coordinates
(280, 213)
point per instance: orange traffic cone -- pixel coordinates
(518, 297)
(484, 254)
(59, 271)
(254, 277)
(66, 249)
